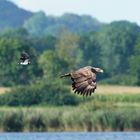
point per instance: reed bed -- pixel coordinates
(101, 112)
(78, 118)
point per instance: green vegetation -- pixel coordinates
(38, 100)
(92, 116)
(116, 51)
(39, 94)
(40, 24)
(60, 44)
(102, 112)
(11, 72)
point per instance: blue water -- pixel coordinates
(72, 136)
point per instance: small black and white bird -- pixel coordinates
(24, 59)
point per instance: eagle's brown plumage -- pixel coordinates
(84, 80)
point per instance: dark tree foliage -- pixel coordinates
(91, 49)
(117, 41)
(115, 48)
(134, 63)
(51, 64)
(43, 43)
(14, 33)
(11, 72)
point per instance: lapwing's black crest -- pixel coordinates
(24, 58)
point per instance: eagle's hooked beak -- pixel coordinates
(99, 70)
(102, 71)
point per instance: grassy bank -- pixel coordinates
(102, 112)
(97, 117)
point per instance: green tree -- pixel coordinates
(11, 72)
(91, 49)
(14, 33)
(45, 42)
(134, 63)
(117, 41)
(65, 57)
(51, 64)
(79, 24)
(36, 24)
(68, 49)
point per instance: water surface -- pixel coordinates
(72, 136)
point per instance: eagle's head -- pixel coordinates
(96, 70)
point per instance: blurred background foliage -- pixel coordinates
(115, 48)
(58, 45)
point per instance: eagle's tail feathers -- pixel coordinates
(65, 75)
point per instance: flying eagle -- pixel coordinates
(84, 80)
(24, 59)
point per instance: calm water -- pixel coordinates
(72, 136)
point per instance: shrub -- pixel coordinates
(120, 79)
(13, 121)
(52, 94)
(36, 122)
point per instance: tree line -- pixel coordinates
(115, 48)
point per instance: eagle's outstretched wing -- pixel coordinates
(84, 81)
